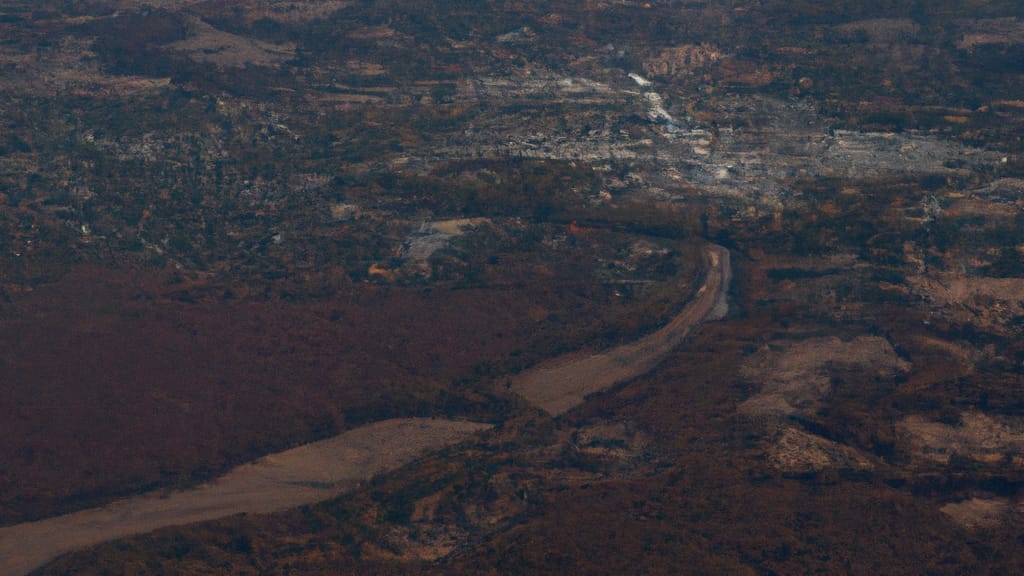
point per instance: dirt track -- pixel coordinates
(303, 475)
(322, 470)
(563, 383)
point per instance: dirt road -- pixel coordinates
(304, 475)
(563, 383)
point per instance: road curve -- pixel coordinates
(563, 383)
(304, 475)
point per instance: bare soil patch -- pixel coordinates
(795, 378)
(992, 304)
(977, 512)
(112, 386)
(303, 475)
(984, 438)
(225, 49)
(797, 452)
(559, 385)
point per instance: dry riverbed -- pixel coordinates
(563, 383)
(322, 470)
(304, 475)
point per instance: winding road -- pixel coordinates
(323, 470)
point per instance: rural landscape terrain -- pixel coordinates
(709, 287)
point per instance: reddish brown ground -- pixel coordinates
(112, 384)
(699, 500)
(300, 476)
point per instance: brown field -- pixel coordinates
(321, 470)
(112, 387)
(302, 475)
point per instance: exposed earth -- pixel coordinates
(321, 470)
(304, 475)
(229, 229)
(564, 383)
